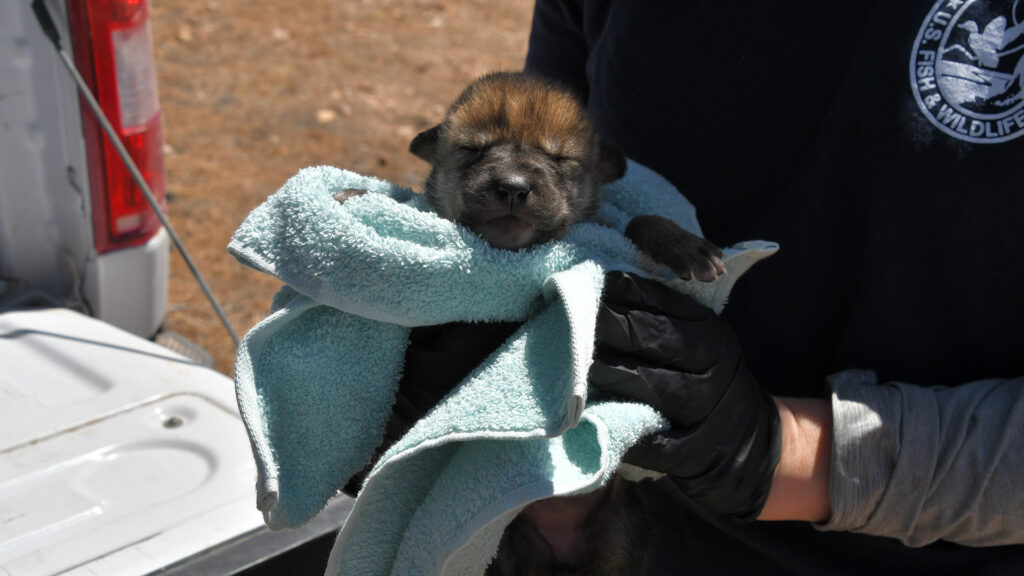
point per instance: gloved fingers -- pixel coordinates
(686, 453)
(728, 479)
(712, 420)
(689, 345)
(617, 377)
(649, 453)
(740, 433)
(683, 398)
(637, 292)
(669, 451)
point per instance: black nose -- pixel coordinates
(513, 190)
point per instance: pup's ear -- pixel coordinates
(424, 145)
(611, 164)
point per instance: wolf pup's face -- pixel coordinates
(516, 160)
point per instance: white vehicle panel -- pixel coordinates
(113, 450)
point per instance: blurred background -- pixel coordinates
(254, 90)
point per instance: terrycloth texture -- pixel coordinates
(316, 379)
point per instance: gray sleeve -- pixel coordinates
(925, 464)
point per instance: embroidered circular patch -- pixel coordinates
(967, 69)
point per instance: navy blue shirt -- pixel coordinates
(881, 144)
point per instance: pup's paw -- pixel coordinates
(695, 258)
(348, 193)
(688, 255)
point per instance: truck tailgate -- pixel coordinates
(117, 456)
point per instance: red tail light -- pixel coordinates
(114, 53)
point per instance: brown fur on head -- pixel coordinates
(517, 160)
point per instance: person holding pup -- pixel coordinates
(867, 381)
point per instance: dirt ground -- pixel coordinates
(254, 90)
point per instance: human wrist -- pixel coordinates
(800, 483)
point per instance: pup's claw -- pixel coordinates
(701, 268)
(719, 265)
(692, 257)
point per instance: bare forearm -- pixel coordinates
(800, 485)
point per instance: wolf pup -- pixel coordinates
(517, 160)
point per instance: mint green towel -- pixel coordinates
(316, 379)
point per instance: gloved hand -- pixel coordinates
(657, 346)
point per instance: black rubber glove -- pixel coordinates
(660, 347)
